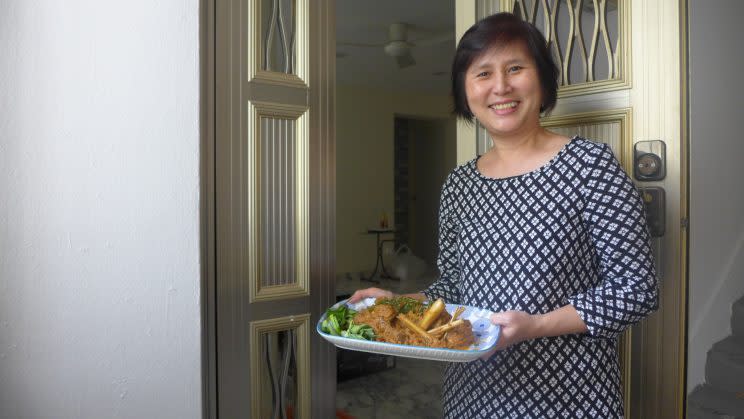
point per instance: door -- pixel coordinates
(273, 222)
(622, 83)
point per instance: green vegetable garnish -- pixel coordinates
(403, 304)
(340, 322)
(359, 331)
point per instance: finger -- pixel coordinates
(366, 292)
(489, 353)
(500, 318)
(356, 296)
(505, 340)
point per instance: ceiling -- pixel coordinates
(367, 22)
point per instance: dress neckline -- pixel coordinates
(474, 165)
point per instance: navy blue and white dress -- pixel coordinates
(571, 232)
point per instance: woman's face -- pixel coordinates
(503, 90)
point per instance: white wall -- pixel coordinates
(99, 215)
(716, 192)
(364, 164)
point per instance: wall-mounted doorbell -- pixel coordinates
(649, 160)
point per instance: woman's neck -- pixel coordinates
(518, 154)
(519, 142)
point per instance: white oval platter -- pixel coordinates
(486, 335)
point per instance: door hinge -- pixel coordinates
(684, 223)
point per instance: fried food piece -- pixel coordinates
(446, 328)
(413, 326)
(443, 319)
(432, 313)
(380, 318)
(461, 336)
(393, 326)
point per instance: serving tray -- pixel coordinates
(486, 336)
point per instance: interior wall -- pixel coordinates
(99, 216)
(433, 155)
(364, 164)
(716, 265)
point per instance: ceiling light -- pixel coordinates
(397, 48)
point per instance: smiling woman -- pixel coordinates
(547, 232)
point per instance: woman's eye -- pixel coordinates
(482, 74)
(514, 68)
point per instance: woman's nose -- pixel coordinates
(500, 84)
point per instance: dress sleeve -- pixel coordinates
(615, 217)
(448, 261)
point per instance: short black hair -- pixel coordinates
(502, 29)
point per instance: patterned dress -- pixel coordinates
(571, 232)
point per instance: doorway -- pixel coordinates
(366, 102)
(396, 141)
(425, 153)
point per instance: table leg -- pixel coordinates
(371, 277)
(384, 273)
(379, 263)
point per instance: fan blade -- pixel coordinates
(358, 44)
(405, 60)
(436, 39)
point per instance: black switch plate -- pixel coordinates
(655, 200)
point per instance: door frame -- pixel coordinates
(207, 106)
(207, 89)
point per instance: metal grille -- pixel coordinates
(279, 387)
(278, 202)
(278, 27)
(582, 35)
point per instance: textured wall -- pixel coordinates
(99, 215)
(716, 195)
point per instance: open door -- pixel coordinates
(622, 83)
(272, 231)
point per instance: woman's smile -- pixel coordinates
(504, 108)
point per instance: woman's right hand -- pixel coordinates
(359, 295)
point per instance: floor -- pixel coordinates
(411, 390)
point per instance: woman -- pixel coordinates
(546, 231)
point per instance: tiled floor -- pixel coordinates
(411, 390)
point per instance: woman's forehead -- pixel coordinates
(498, 52)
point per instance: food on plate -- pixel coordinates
(408, 321)
(340, 322)
(432, 313)
(405, 321)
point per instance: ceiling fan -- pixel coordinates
(400, 47)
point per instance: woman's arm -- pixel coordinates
(615, 218)
(518, 326)
(628, 289)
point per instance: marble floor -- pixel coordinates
(411, 390)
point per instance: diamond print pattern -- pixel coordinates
(573, 231)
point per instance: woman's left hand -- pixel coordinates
(516, 326)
